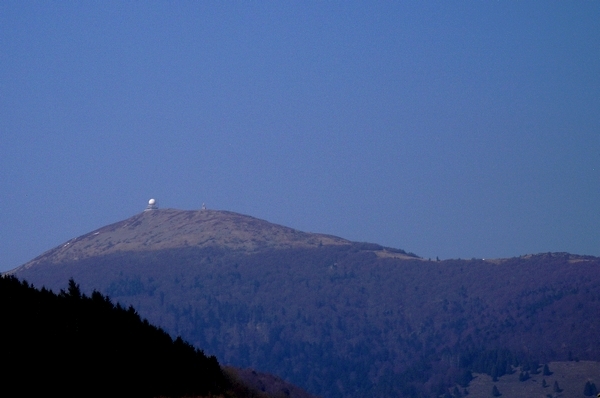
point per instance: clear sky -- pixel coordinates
(455, 129)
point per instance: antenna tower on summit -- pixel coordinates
(152, 205)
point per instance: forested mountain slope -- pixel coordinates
(73, 345)
(339, 318)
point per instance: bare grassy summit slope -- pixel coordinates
(171, 229)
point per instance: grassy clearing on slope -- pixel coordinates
(571, 378)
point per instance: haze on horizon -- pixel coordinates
(444, 129)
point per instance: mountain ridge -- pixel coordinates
(338, 318)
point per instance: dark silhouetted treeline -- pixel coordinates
(72, 345)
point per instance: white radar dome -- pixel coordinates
(151, 205)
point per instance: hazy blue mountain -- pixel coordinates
(338, 318)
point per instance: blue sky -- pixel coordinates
(450, 129)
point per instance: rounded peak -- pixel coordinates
(172, 229)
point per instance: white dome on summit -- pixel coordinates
(152, 205)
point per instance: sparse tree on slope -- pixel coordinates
(495, 392)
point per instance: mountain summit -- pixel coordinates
(172, 229)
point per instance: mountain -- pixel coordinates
(174, 229)
(338, 318)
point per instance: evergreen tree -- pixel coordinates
(73, 290)
(556, 388)
(547, 371)
(495, 392)
(590, 389)
(524, 376)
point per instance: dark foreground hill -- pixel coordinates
(73, 345)
(338, 318)
(70, 345)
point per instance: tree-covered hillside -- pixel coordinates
(345, 321)
(72, 345)
(338, 318)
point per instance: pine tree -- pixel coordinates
(590, 389)
(547, 371)
(74, 291)
(495, 392)
(556, 388)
